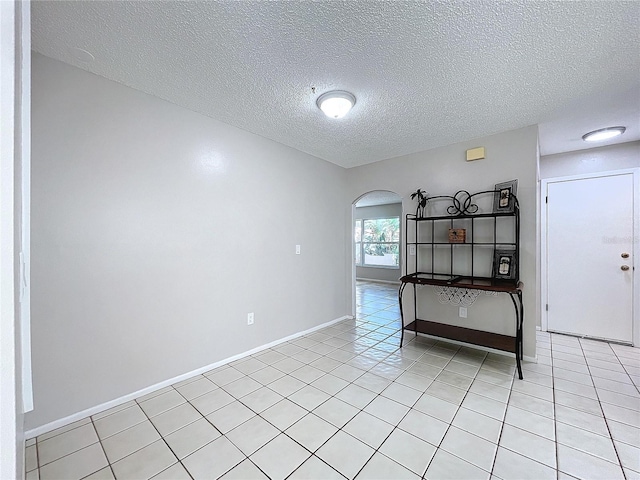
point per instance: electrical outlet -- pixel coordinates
(462, 312)
(250, 318)
(297, 249)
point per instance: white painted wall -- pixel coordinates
(380, 211)
(444, 171)
(155, 230)
(594, 160)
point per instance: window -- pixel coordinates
(377, 242)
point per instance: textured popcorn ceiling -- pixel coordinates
(425, 74)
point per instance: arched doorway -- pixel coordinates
(376, 238)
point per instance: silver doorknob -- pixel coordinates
(624, 268)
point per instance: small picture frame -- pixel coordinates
(504, 264)
(504, 197)
(457, 235)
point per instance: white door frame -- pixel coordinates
(10, 454)
(15, 349)
(636, 243)
(25, 220)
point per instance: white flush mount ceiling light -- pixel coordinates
(603, 134)
(336, 104)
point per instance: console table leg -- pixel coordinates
(521, 322)
(401, 313)
(415, 311)
(519, 318)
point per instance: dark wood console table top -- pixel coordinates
(496, 341)
(460, 281)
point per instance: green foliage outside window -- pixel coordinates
(378, 241)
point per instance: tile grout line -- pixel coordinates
(586, 412)
(624, 367)
(37, 457)
(493, 464)
(450, 422)
(103, 451)
(341, 429)
(286, 398)
(139, 404)
(39, 467)
(606, 422)
(376, 450)
(555, 419)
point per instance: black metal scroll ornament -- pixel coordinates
(462, 204)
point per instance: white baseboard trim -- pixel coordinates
(34, 432)
(375, 280)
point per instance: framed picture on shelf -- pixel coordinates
(503, 198)
(457, 235)
(504, 264)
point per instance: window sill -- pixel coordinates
(385, 267)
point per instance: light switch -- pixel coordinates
(412, 249)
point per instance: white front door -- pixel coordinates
(590, 256)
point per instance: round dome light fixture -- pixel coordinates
(336, 104)
(603, 134)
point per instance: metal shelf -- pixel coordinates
(462, 273)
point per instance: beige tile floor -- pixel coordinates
(346, 402)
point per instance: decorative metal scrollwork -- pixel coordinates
(462, 204)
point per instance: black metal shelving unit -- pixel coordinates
(455, 264)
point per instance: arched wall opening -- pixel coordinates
(376, 241)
